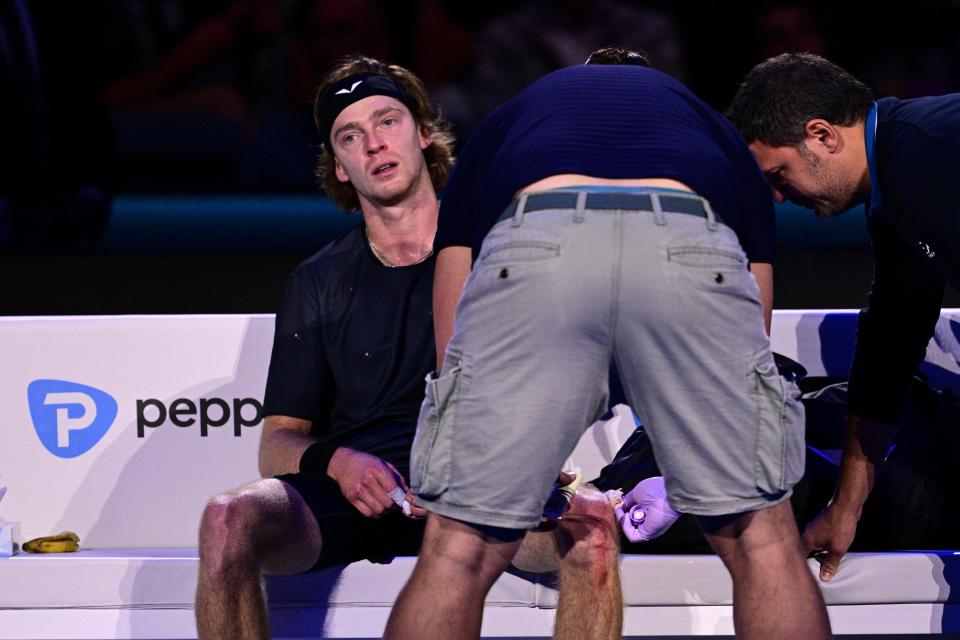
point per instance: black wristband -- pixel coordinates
(316, 458)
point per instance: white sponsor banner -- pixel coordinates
(121, 427)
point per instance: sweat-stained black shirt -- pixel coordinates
(353, 343)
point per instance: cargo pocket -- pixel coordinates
(430, 456)
(780, 430)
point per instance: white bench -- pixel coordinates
(144, 486)
(149, 594)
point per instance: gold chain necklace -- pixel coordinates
(384, 260)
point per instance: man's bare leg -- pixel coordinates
(261, 527)
(774, 594)
(584, 546)
(458, 564)
(591, 603)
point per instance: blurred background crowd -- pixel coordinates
(103, 102)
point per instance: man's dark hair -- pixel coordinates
(619, 55)
(439, 155)
(782, 94)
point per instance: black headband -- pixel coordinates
(345, 92)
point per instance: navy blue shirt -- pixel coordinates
(353, 343)
(914, 224)
(615, 122)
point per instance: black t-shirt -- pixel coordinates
(606, 121)
(353, 343)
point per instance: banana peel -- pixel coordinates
(64, 542)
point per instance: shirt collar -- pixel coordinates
(870, 138)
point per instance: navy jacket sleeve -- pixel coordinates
(894, 329)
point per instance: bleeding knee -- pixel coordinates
(591, 508)
(590, 526)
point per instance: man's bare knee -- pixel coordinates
(227, 533)
(765, 531)
(586, 534)
(483, 552)
(590, 528)
(592, 508)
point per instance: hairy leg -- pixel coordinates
(774, 594)
(457, 565)
(584, 546)
(540, 551)
(261, 527)
(591, 603)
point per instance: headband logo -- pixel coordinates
(350, 90)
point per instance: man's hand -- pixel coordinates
(645, 513)
(830, 533)
(366, 481)
(865, 446)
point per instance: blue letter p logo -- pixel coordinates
(70, 418)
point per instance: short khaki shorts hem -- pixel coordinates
(479, 516)
(700, 508)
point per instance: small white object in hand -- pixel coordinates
(399, 496)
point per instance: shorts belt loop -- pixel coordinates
(579, 214)
(518, 214)
(711, 216)
(658, 218)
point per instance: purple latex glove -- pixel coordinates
(645, 512)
